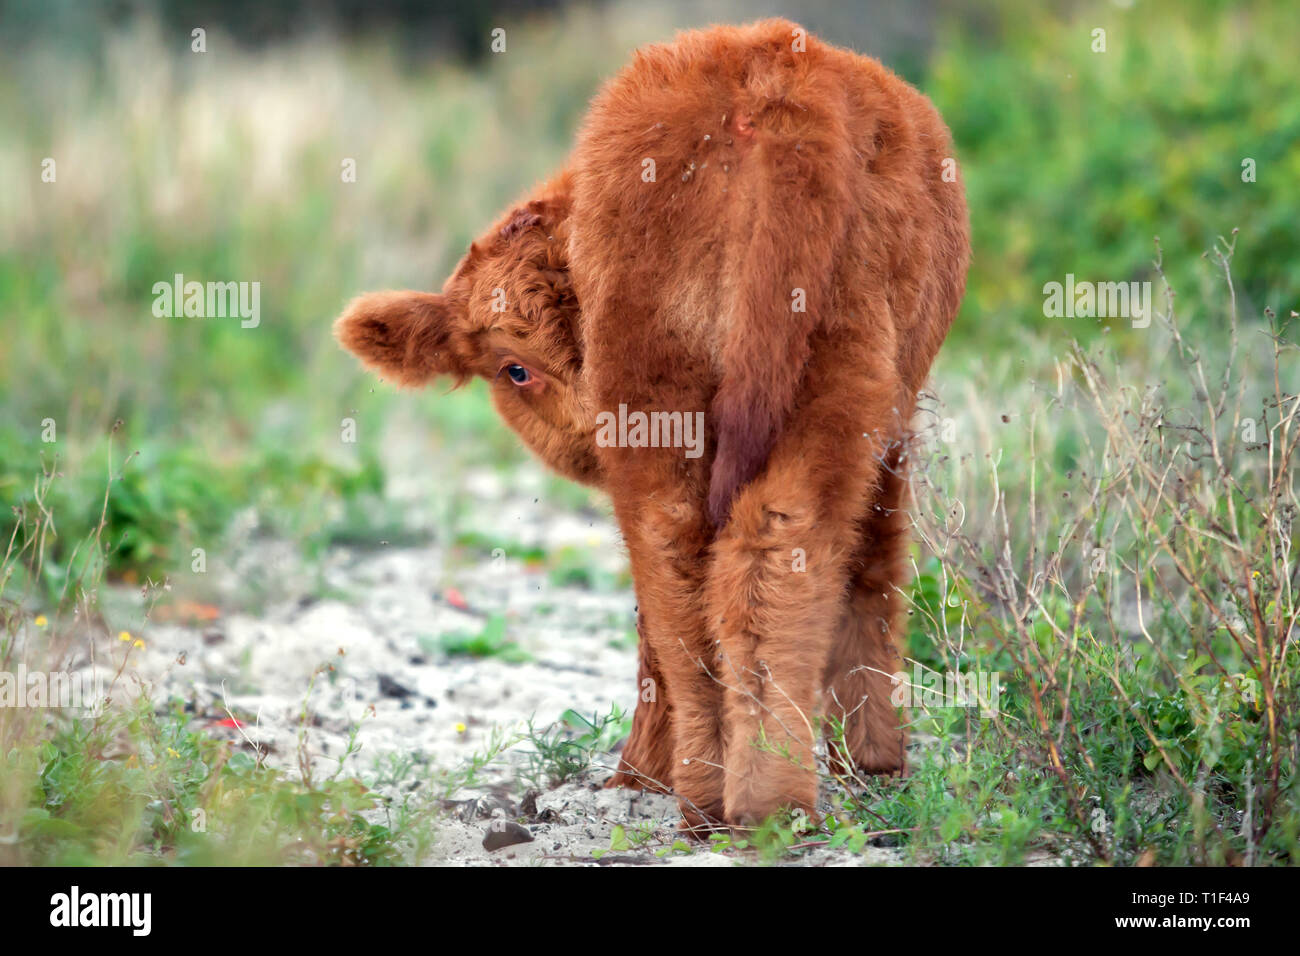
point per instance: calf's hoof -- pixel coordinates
(699, 825)
(750, 801)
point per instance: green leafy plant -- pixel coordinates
(491, 641)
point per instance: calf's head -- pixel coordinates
(508, 314)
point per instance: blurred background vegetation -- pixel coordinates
(225, 165)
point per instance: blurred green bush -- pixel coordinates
(1074, 160)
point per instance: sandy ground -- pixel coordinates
(383, 612)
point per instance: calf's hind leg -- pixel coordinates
(865, 652)
(779, 574)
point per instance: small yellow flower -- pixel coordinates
(139, 644)
(124, 636)
(1254, 574)
(41, 620)
(172, 753)
(460, 728)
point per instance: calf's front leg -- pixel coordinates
(646, 762)
(667, 539)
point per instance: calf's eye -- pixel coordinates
(518, 374)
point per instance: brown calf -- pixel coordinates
(770, 231)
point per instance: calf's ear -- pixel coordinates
(404, 336)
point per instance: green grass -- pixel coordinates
(564, 749)
(1139, 604)
(181, 796)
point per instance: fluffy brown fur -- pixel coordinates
(790, 268)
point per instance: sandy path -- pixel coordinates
(415, 702)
